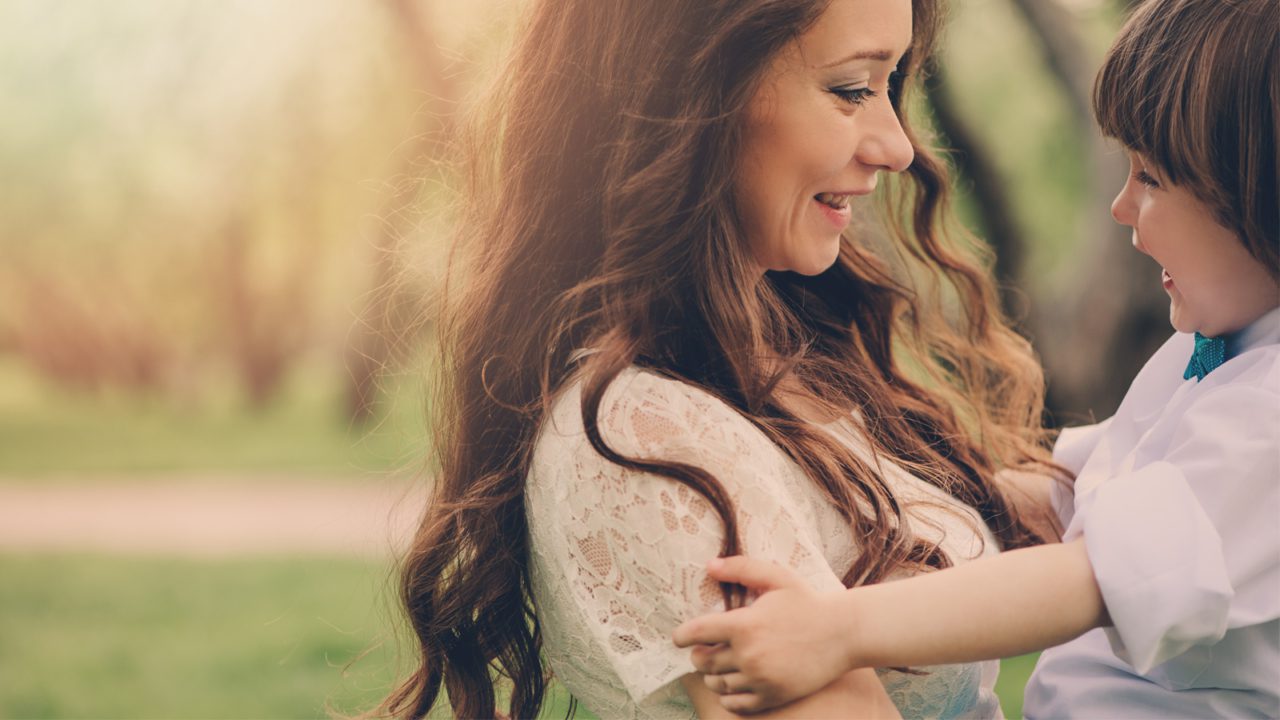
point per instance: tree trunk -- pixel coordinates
(1095, 334)
(995, 209)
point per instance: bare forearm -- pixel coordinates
(1016, 602)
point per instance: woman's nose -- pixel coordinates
(886, 145)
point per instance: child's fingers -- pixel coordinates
(714, 659)
(727, 684)
(743, 703)
(705, 630)
(757, 574)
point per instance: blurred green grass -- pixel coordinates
(116, 637)
(1014, 673)
(47, 430)
(93, 636)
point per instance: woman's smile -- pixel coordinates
(835, 207)
(823, 120)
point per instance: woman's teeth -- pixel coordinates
(833, 200)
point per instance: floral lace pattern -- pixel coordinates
(618, 556)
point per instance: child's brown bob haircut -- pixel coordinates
(1192, 86)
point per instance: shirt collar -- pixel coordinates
(1263, 331)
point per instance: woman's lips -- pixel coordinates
(835, 205)
(838, 216)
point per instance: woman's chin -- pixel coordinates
(813, 258)
(821, 260)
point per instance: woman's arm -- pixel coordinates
(793, 639)
(855, 694)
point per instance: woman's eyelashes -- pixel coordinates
(858, 94)
(853, 94)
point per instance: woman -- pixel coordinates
(668, 345)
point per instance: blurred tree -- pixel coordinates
(1094, 334)
(85, 334)
(178, 205)
(972, 160)
(1107, 315)
(265, 329)
(181, 191)
(390, 322)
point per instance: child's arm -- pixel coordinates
(793, 640)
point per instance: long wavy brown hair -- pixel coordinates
(598, 211)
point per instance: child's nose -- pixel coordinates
(1122, 208)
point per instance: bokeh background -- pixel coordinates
(220, 229)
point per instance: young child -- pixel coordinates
(1168, 578)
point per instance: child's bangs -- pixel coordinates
(1191, 85)
(1149, 96)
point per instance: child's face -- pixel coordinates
(1215, 286)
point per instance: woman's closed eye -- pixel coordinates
(853, 94)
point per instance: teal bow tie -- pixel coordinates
(1208, 355)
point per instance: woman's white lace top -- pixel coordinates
(618, 556)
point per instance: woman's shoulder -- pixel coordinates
(647, 413)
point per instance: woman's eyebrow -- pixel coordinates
(881, 55)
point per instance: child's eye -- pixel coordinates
(854, 95)
(1142, 177)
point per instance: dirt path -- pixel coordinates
(206, 516)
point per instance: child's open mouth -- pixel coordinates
(1166, 279)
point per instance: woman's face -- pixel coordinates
(1215, 286)
(818, 131)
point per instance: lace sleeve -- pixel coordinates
(620, 555)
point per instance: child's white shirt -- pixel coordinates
(1178, 499)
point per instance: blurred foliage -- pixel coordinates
(192, 185)
(1026, 125)
(203, 195)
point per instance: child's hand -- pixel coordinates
(786, 645)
